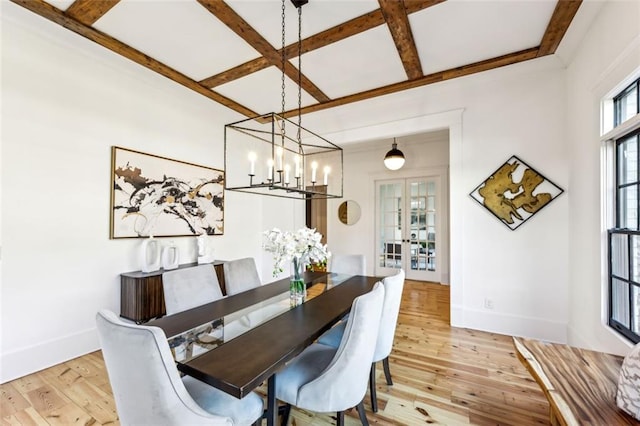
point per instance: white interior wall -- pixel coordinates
(66, 101)
(523, 272)
(609, 54)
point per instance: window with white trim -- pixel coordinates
(624, 237)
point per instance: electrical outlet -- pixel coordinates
(488, 303)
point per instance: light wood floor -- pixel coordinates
(442, 375)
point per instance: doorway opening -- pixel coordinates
(409, 227)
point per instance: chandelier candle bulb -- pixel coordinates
(296, 160)
(327, 169)
(270, 169)
(279, 153)
(314, 169)
(287, 169)
(252, 161)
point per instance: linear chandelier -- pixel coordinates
(272, 155)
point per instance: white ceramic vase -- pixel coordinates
(170, 256)
(150, 255)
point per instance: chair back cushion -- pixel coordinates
(628, 395)
(393, 287)
(187, 288)
(350, 264)
(343, 384)
(144, 379)
(241, 275)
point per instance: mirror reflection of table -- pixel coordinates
(238, 342)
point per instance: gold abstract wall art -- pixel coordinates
(515, 192)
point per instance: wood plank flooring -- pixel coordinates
(442, 375)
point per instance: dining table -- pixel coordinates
(238, 342)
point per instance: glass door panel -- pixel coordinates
(407, 223)
(390, 197)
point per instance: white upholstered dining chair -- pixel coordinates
(327, 379)
(241, 275)
(187, 288)
(148, 389)
(350, 264)
(393, 286)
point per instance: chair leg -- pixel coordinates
(361, 413)
(340, 418)
(372, 388)
(387, 372)
(284, 411)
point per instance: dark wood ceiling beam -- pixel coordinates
(339, 32)
(231, 19)
(489, 64)
(89, 11)
(237, 72)
(398, 22)
(316, 41)
(56, 15)
(500, 61)
(558, 24)
(352, 27)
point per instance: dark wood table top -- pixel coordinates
(243, 363)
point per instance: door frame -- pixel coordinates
(441, 172)
(456, 187)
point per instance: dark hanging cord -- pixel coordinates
(299, 73)
(282, 132)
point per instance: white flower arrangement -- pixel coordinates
(301, 247)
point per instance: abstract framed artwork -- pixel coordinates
(515, 192)
(161, 197)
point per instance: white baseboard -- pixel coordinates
(34, 358)
(457, 316)
(512, 325)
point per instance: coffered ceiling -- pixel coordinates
(352, 50)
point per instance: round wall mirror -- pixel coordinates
(349, 212)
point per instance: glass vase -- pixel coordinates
(297, 287)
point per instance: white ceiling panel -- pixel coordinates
(460, 32)
(184, 35)
(262, 91)
(60, 4)
(361, 62)
(180, 34)
(317, 15)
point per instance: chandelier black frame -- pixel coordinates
(280, 181)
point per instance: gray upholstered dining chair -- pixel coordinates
(393, 286)
(148, 389)
(327, 379)
(350, 264)
(187, 288)
(241, 275)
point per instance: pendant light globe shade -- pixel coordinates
(394, 159)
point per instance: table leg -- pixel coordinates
(272, 410)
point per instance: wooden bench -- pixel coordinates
(579, 384)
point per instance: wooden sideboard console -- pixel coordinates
(142, 296)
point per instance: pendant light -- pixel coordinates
(272, 155)
(394, 160)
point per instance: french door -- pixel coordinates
(408, 227)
